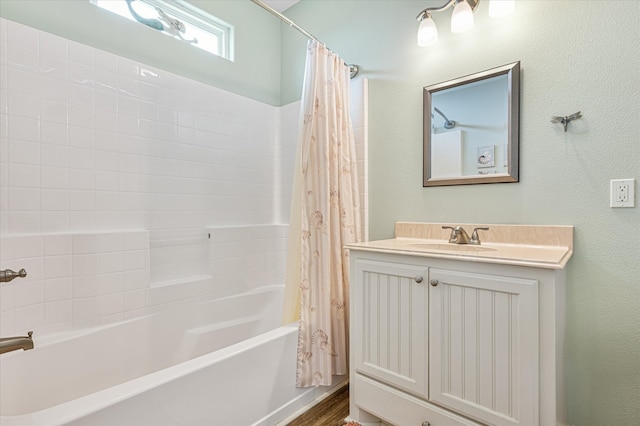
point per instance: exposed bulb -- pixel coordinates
(427, 32)
(500, 8)
(462, 17)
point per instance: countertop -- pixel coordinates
(539, 246)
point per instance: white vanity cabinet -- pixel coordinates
(438, 341)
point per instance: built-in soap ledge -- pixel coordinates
(542, 246)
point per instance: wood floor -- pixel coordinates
(330, 412)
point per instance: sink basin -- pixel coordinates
(450, 247)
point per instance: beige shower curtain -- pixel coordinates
(325, 217)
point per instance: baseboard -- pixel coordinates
(318, 399)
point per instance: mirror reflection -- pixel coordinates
(471, 128)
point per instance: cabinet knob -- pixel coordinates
(434, 282)
(418, 279)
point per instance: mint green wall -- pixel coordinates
(255, 73)
(575, 56)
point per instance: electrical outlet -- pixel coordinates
(622, 193)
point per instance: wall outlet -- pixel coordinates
(623, 193)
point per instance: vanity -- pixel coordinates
(445, 334)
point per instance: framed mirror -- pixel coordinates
(471, 128)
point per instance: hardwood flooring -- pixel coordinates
(330, 412)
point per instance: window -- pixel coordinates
(178, 19)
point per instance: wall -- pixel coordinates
(78, 20)
(576, 56)
(115, 178)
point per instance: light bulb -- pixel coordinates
(462, 17)
(427, 32)
(500, 8)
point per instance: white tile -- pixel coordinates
(80, 75)
(54, 133)
(128, 105)
(128, 68)
(128, 86)
(29, 318)
(53, 66)
(57, 244)
(23, 222)
(81, 95)
(54, 221)
(22, 128)
(105, 61)
(28, 293)
(58, 289)
(136, 259)
(53, 45)
(57, 266)
(81, 158)
(54, 155)
(106, 181)
(82, 179)
(84, 286)
(21, 80)
(52, 88)
(24, 175)
(110, 262)
(80, 116)
(28, 246)
(24, 199)
(22, 58)
(54, 177)
(84, 264)
(83, 220)
(58, 311)
(110, 283)
(22, 35)
(23, 105)
(51, 110)
(81, 137)
(137, 279)
(82, 200)
(111, 304)
(106, 81)
(107, 201)
(80, 53)
(106, 101)
(134, 299)
(85, 308)
(136, 240)
(110, 242)
(85, 244)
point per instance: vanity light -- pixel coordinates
(461, 19)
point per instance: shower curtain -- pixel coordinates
(325, 216)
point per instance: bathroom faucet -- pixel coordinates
(8, 275)
(8, 344)
(460, 236)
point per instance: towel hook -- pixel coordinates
(566, 119)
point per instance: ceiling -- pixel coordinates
(281, 5)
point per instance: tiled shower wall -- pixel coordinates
(124, 188)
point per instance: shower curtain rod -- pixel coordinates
(353, 69)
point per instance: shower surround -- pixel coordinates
(125, 189)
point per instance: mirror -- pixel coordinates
(471, 128)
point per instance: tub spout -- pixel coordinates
(8, 344)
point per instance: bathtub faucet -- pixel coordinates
(8, 344)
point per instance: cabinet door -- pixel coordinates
(483, 346)
(388, 323)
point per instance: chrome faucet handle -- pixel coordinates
(8, 275)
(453, 237)
(475, 238)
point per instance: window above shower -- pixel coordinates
(179, 20)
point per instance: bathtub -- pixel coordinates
(220, 362)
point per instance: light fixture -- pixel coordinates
(461, 19)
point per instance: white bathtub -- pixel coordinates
(221, 362)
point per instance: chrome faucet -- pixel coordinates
(460, 236)
(8, 344)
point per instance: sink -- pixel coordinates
(450, 247)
